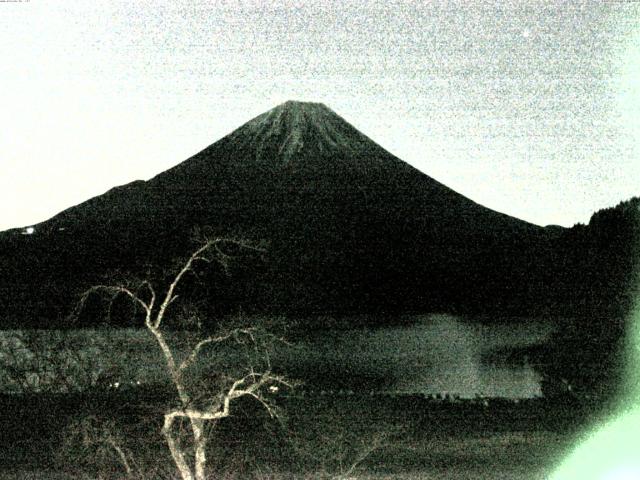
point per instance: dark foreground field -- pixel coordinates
(348, 436)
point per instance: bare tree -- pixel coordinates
(96, 441)
(201, 401)
(337, 451)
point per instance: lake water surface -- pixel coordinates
(431, 354)
(435, 354)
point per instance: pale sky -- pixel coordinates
(530, 108)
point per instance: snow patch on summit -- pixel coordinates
(287, 129)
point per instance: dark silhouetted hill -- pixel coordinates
(350, 228)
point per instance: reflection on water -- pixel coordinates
(437, 354)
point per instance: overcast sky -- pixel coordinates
(532, 109)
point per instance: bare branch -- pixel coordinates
(197, 255)
(376, 443)
(149, 287)
(113, 291)
(207, 341)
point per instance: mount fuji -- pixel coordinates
(350, 228)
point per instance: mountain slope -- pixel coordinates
(350, 227)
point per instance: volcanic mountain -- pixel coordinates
(349, 227)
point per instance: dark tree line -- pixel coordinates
(596, 280)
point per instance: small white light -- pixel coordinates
(273, 389)
(29, 230)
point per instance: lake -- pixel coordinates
(435, 354)
(429, 354)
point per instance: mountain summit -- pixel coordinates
(350, 227)
(294, 127)
(293, 136)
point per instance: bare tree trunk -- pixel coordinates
(176, 452)
(200, 447)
